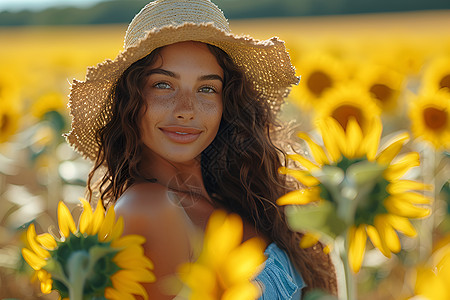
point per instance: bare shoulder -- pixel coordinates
(148, 211)
(143, 197)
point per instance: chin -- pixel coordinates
(182, 157)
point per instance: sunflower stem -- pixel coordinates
(77, 269)
(56, 270)
(349, 277)
(427, 226)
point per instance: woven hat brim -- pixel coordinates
(266, 64)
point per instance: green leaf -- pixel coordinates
(98, 251)
(320, 218)
(364, 173)
(329, 175)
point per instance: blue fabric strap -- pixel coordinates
(279, 279)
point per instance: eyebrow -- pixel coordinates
(211, 77)
(171, 74)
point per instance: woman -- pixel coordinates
(179, 125)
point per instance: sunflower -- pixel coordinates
(225, 268)
(433, 278)
(91, 261)
(309, 239)
(403, 56)
(319, 74)
(389, 203)
(51, 101)
(9, 83)
(383, 84)
(9, 119)
(430, 118)
(437, 75)
(348, 101)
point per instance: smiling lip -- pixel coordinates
(181, 135)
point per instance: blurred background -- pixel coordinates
(393, 51)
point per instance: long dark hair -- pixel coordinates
(239, 168)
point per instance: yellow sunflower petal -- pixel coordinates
(97, 218)
(86, 217)
(401, 207)
(135, 263)
(317, 152)
(333, 137)
(377, 241)
(388, 234)
(127, 240)
(113, 294)
(137, 275)
(123, 283)
(357, 247)
(309, 239)
(430, 285)
(33, 260)
(327, 249)
(401, 186)
(202, 295)
(354, 139)
(399, 168)
(391, 151)
(132, 257)
(31, 238)
(309, 165)
(47, 241)
(303, 177)
(129, 253)
(65, 220)
(300, 197)
(223, 233)
(107, 225)
(46, 281)
(116, 231)
(372, 139)
(243, 262)
(402, 224)
(242, 291)
(414, 198)
(198, 277)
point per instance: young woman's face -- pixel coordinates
(183, 92)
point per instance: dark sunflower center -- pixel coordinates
(445, 82)
(381, 91)
(372, 205)
(435, 119)
(4, 122)
(103, 269)
(343, 113)
(318, 82)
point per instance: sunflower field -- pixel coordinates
(372, 108)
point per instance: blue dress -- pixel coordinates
(279, 278)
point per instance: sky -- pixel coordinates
(16, 5)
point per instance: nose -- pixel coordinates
(184, 108)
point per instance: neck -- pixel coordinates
(177, 176)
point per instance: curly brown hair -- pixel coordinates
(239, 168)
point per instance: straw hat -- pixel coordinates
(162, 22)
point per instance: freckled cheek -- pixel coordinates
(151, 116)
(159, 106)
(212, 113)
